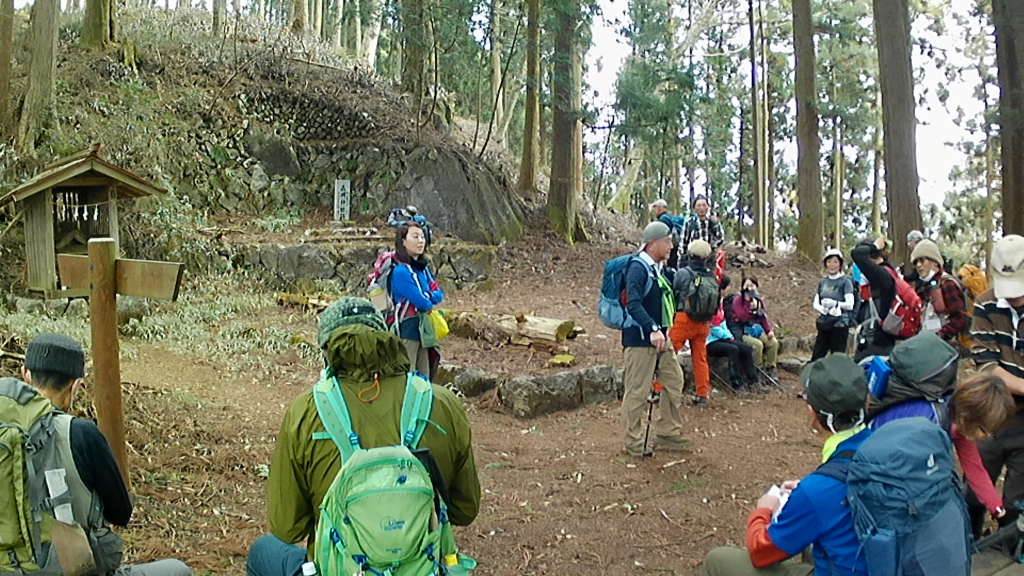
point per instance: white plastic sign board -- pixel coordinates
(342, 200)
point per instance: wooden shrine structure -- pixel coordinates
(69, 202)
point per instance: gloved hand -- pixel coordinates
(828, 303)
(835, 311)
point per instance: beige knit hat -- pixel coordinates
(927, 249)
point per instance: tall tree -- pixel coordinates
(337, 16)
(299, 16)
(1009, 20)
(899, 122)
(6, 45)
(39, 103)
(561, 205)
(96, 24)
(220, 8)
(809, 237)
(414, 54)
(757, 204)
(371, 35)
(496, 75)
(528, 163)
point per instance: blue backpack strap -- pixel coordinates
(419, 399)
(837, 467)
(333, 412)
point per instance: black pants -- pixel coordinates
(1005, 449)
(741, 357)
(831, 340)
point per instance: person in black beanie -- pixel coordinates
(54, 369)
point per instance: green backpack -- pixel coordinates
(700, 297)
(380, 515)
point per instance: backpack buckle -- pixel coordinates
(353, 439)
(409, 436)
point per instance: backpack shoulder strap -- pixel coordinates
(333, 412)
(649, 269)
(837, 467)
(419, 399)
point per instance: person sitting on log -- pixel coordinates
(749, 311)
(742, 373)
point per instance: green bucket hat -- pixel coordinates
(346, 311)
(836, 387)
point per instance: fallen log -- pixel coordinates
(519, 329)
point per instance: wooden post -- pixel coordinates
(39, 243)
(105, 347)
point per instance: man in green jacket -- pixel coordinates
(370, 364)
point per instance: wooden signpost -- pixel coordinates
(106, 276)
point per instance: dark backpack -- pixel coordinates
(699, 298)
(908, 506)
(923, 367)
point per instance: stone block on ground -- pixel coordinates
(719, 366)
(55, 307)
(131, 308)
(77, 308)
(28, 306)
(532, 396)
(787, 345)
(806, 343)
(475, 382)
(794, 365)
(599, 384)
(446, 374)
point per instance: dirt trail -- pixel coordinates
(559, 496)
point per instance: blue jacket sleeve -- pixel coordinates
(403, 287)
(798, 525)
(637, 274)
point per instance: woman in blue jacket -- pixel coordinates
(413, 290)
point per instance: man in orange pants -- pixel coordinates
(697, 300)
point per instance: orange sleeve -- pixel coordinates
(759, 546)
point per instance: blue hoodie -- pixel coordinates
(410, 291)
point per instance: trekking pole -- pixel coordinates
(653, 399)
(1009, 539)
(771, 380)
(723, 381)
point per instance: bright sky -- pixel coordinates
(935, 129)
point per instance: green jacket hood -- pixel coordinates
(356, 351)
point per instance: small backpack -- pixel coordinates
(379, 283)
(382, 514)
(701, 298)
(400, 216)
(907, 503)
(611, 305)
(904, 317)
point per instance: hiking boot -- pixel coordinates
(741, 390)
(670, 443)
(773, 373)
(638, 451)
(700, 401)
(762, 388)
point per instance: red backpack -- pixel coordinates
(904, 317)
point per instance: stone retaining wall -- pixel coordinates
(455, 265)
